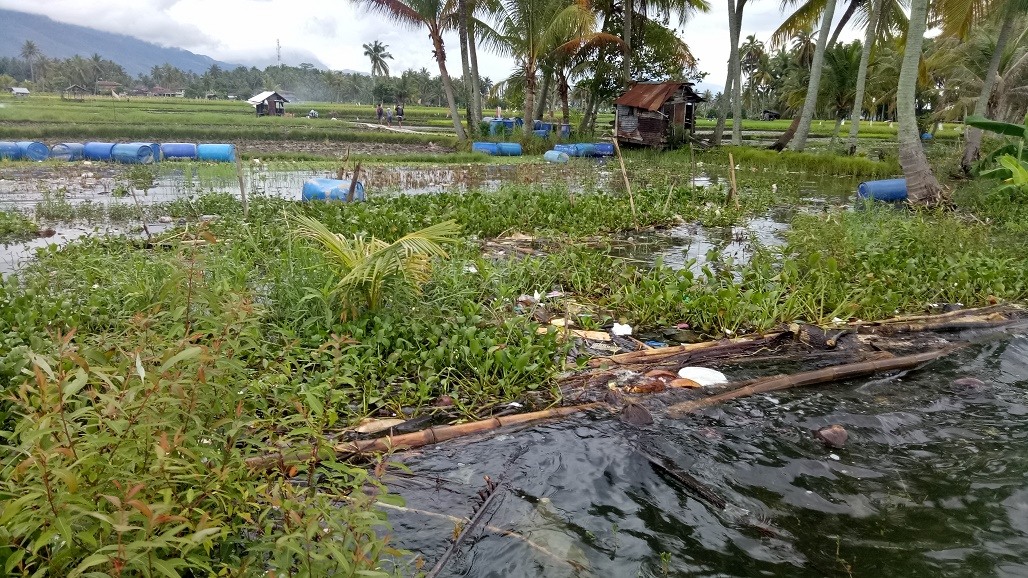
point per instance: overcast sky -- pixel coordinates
(333, 31)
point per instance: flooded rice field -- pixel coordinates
(102, 190)
(932, 482)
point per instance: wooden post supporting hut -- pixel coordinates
(656, 114)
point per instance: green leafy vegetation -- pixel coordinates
(15, 227)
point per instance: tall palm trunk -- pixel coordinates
(465, 63)
(974, 135)
(563, 89)
(865, 58)
(440, 58)
(846, 16)
(810, 102)
(922, 188)
(544, 91)
(530, 82)
(627, 70)
(732, 84)
(737, 83)
(476, 85)
(722, 108)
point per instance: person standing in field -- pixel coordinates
(389, 117)
(380, 112)
(399, 115)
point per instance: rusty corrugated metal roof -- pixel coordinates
(648, 96)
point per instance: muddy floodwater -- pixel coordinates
(932, 482)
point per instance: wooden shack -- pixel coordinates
(270, 103)
(656, 114)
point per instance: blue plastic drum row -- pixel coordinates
(584, 149)
(137, 153)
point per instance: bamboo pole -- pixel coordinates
(655, 355)
(827, 375)
(432, 435)
(733, 192)
(242, 185)
(353, 183)
(628, 186)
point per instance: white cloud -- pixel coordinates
(334, 31)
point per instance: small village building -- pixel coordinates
(268, 103)
(106, 86)
(167, 92)
(74, 92)
(656, 114)
(19, 91)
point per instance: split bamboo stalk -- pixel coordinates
(654, 355)
(242, 185)
(628, 186)
(732, 187)
(827, 375)
(353, 183)
(432, 435)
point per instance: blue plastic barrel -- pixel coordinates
(331, 190)
(496, 126)
(565, 130)
(67, 151)
(603, 149)
(178, 150)
(584, 149)
(154, 147)
(568, 149)
(489, 148)
(33, 151)
(225, 153)
(541, 132)
(132, 154)
(887, 190)
(9, 150)
(508, 149)
(555, 157)
(98, 151)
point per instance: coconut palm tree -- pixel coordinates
(814, 83)
(1009, 12)
(922, 187)
(430, 14)
(30, 52)
(370, 269)
(377, 54)
(838, 88)
(530, 30)
(865, 57)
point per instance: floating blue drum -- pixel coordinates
(98, 151)
(603, 149)
(9, 150)
(508, 149)
(178, 150)
(68, 151)
(555, 157)
(224, 153)
(489, 148)
(33, 151)
(132, 154)
(154, 147)
(331, 190)
(886, 190)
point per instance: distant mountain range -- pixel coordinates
(59, 40)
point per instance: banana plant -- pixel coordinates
(1010, 156)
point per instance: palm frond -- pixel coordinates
(367, 266)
